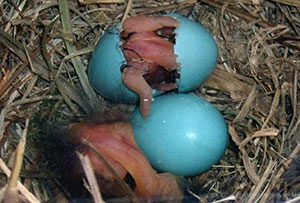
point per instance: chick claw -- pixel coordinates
(134, 80)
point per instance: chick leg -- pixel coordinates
(134, 80)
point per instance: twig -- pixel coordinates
(23, 190)
(16, 14)
(67, 28)
(273, 108)
(176, 6)
(261, 182)
(289, 20)
(12, 191)
(89, 172)
(34, 100)
(12, 77)
(294, 97)
(15, 46)
(250, 18)
(87, 2)
(18, 159)
(127, 10)
(59, 86)
(119, 180)
(226, 199)
(295, 200)
(260, 2)
(268, 132)
(252, 175)
(289, 2)
(279, 173)
(247, 105)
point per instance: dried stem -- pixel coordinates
(119, 180)
(11, 191)
(22, 189)
(89, 172)
(67, 28)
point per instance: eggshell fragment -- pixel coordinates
(105, 69)
(196, 52)
(184, 134)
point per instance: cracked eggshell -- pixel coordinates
(184, 134)
(195, 49)
(105, 69)
(196, 52)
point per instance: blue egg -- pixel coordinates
(195, 49)
(184, 134)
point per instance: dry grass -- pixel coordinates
(44, 51)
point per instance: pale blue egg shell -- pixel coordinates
(184, 134)
(105, 69)
(195, 49)
(196, 52)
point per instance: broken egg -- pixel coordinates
(150, 55)
(184, 134)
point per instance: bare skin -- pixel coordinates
(116, 144)
(134, 80)
(147, 50)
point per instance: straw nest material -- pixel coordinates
(45, 47)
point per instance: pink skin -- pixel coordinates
(146, 50)
(149, 184)
(152, 48)
(147, 23)
(118, 130)
(134, 80)
(115, 142)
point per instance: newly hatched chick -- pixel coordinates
(115, 142)
(148, 46)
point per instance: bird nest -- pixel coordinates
(45, 48)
